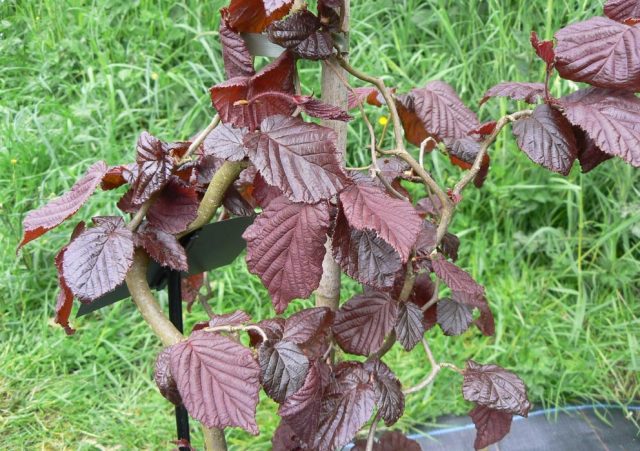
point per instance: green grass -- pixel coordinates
(559, 256)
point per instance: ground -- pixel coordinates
(80, 80)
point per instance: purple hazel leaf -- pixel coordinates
(494, 387)
(453, 317)
(230, 319)
(491, 425)
(410, 325)
(97, 261)
(234, 98)
(283, 369)
(154, 167)
(547, 139)
(622, 10)
(58, 210)
(346, 407)
(364, 256)
(175, 207)
(235, 54)
(285, 247)
(367, 207)
(301, 32)
(164, 380)
(455, 277)
(226, 143)
(389, 396)
(302, 326)
(601, 52)
(611, 118)
(544, 49)
(298, 157)
(529, 92)
(363, 322)
(218, 380)
(161, 246)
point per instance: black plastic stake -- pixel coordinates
(175, 315)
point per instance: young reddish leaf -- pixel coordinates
(164, 380)
(301, 32)
(601, 52)
(300, 158)
(463, 153)
(390, 441)
(238, 62)
(547, 139)
(485, 129)
(190, 288)
(253, 16)
(364, 256)
(316, 108)
(272, 327)
(589, 155)
(283, 369)
(456, 278)
(174, 208)
(161, 246)
(611, 118)
(271, 6)
(218, 380)
(410, 325)
(449, 246)
(64, 300)
(621, 10)
(234, 98)
(440, 112)
(544, 49)
(389, 396)
(453, 317)
(226, 143)
(236, 204)
(362, 323)
(491, 425)
(305, 324)
(285, 247)
(229, 319)
(346, 407)
(367, 207)
(310, 105)
(115, 177)
(97, 261)
(369, 95)
(494, 387)
(154, 167)
(529, 92)
(264, 193)
(58, 210)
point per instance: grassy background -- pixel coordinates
(80, 80)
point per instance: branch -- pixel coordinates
(435, 369)
(200, 139)
(213, 197)
(162, 327)
(372, 432)
(230, 328)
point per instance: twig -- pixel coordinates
(435, 369)
(204, 300)
(434, 297)
(372, 432)
(140, 214)
(423, 146)
(200, 138)
(240, 328)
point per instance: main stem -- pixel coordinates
(143, 296)
(335, 93)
